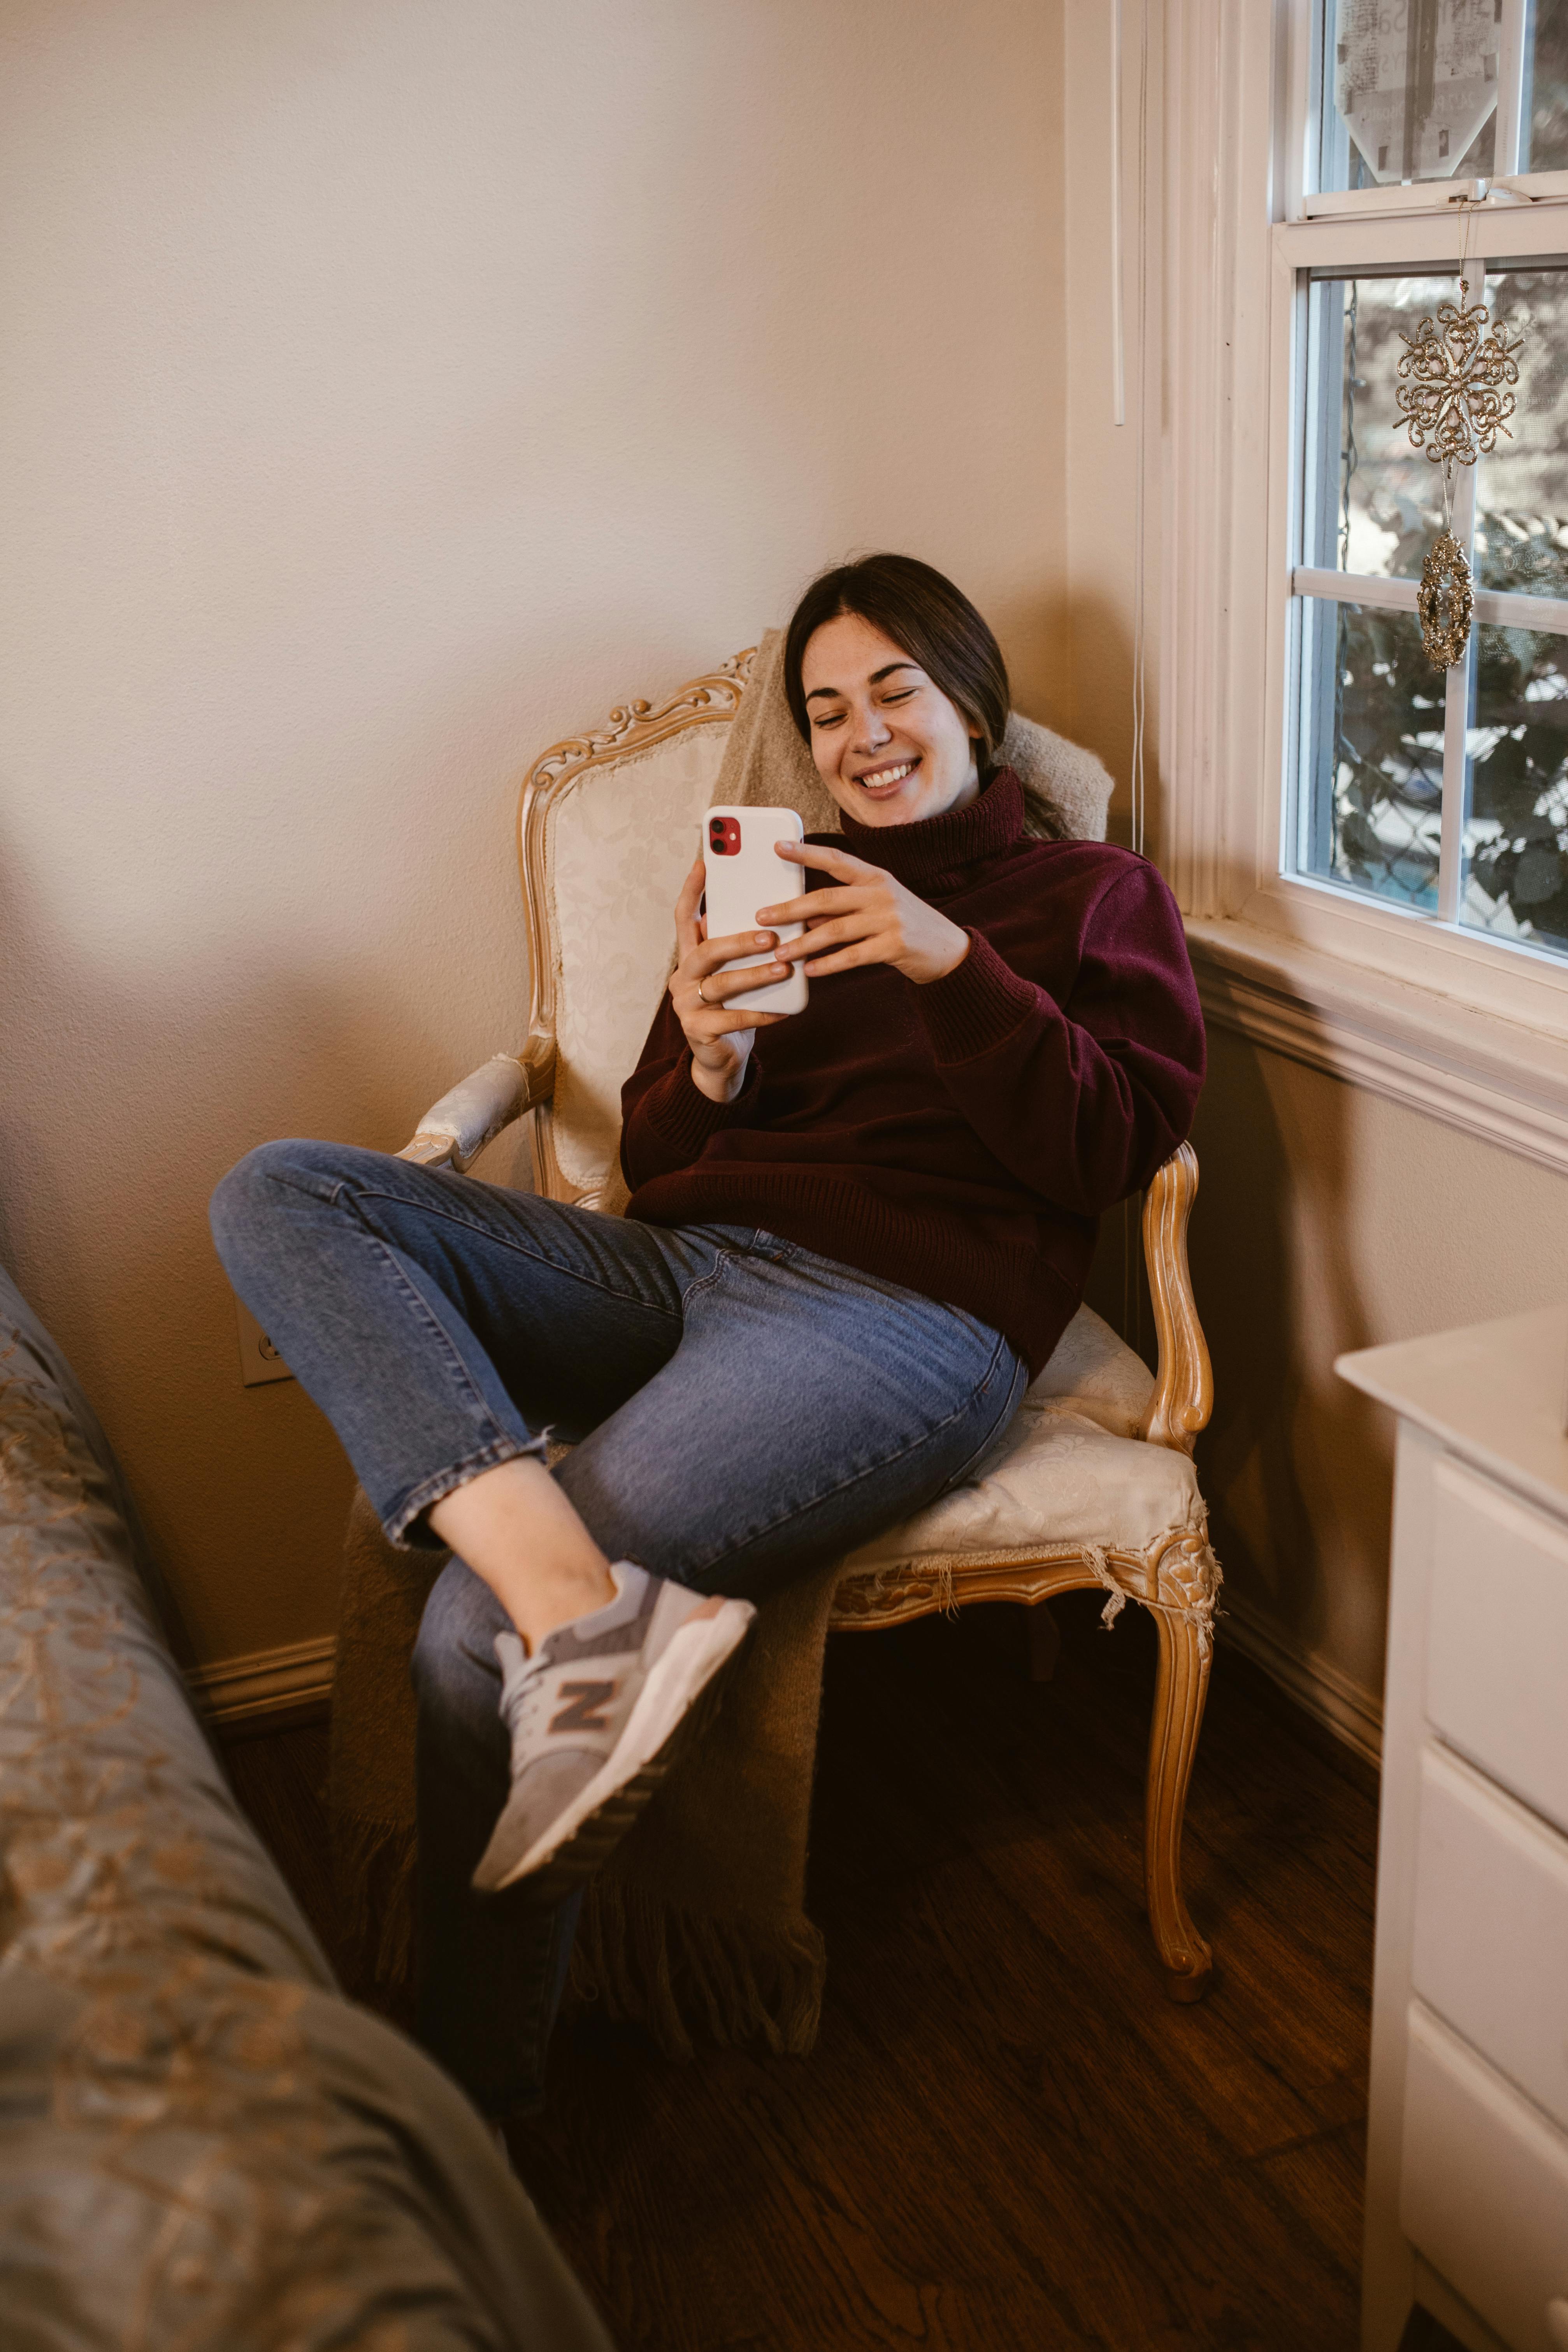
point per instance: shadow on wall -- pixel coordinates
(1288, 1443)
(1295, 1468)
(128, 1089)
(1084, 691)
(1035, 632)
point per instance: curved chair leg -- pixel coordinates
(1180, 1688)
(1045, 1643)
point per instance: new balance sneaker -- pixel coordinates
(593, 1717)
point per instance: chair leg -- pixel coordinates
(1045, 1643)
(1180, 1688)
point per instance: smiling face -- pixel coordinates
(888, 743)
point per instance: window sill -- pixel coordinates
(1464, 1062)
(1516, 984)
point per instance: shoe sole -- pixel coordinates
(572, 1851)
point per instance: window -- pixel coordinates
(1436, 795)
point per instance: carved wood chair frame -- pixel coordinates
(1173, 1578)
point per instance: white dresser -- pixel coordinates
(1468, 2143)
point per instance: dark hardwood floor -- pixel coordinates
(1008, 2136)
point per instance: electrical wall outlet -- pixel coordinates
(258, 1358)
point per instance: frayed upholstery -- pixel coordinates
(1193, 1601)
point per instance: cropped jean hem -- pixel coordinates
(410, 1507)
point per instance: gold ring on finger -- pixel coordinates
(700, 998)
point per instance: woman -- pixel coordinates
(848, 1248)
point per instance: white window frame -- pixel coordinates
(1457, 1022)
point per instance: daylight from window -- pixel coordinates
(1385, 742)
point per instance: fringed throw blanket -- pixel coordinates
(698, 1923)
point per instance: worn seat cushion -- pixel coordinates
(1070, 1471)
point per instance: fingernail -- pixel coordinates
(779, 970)
(764, 939)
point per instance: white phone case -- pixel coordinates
(743, 873)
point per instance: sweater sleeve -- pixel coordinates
(1083, 1101)
(666, 1118)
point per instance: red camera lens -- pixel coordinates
(724, 835)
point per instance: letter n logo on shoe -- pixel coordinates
(585, 1698)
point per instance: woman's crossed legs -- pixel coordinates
(743, 1410)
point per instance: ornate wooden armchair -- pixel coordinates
(1094, 1483)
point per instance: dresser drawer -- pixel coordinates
(1496, 1661)
(1490, 1950)
(1484, 2188)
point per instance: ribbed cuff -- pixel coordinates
(682, 1114)
(977, 1004)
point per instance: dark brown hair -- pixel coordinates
(927, 619)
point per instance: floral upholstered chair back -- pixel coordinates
(605, 841)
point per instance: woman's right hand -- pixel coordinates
(721, 1040)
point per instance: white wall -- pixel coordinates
(389, 387)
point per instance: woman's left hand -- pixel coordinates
(866, 918)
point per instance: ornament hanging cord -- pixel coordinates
(1465, 205)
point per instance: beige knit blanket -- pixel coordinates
(698, 1925)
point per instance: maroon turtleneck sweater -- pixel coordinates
(962, 1138)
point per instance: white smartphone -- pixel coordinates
(743, 872)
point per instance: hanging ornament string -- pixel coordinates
(1447, 475)
(1453, 392)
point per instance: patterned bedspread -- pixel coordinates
(202, 2144)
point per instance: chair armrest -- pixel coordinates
(1183, 1397)
(455, 1131)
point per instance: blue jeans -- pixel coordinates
(743, 1411)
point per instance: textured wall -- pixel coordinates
(388, 388)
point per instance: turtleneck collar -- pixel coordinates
(937, 845)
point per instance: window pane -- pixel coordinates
(1410, 90)
(1546, 89)
(1516, 830)
(1522, 489)
(1370, 752)
(1373, 501)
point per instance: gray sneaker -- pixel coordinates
(592, 1718)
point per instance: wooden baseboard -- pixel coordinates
(267, 1690)
(1353, 1714)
